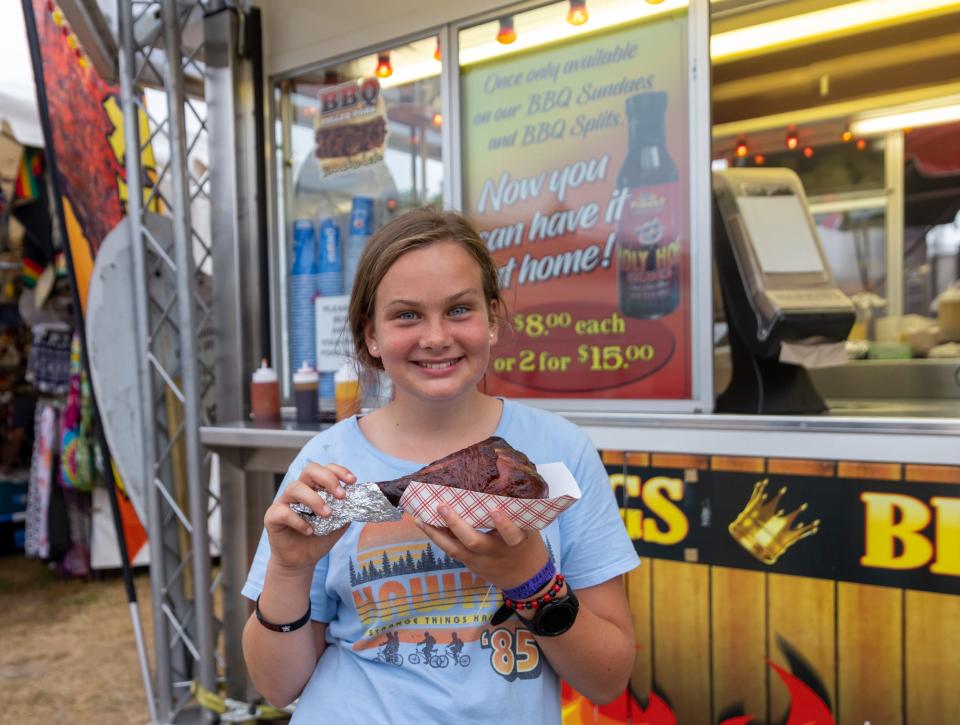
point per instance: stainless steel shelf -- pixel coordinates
(901, 424)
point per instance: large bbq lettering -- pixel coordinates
(348, 95)
(895, 537)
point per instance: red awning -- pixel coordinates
(935, 149)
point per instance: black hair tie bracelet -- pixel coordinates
(281, 627)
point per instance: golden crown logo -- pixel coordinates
(763, 529)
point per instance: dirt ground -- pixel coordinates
(67, 651)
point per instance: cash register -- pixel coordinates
(777, 289)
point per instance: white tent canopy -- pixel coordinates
(18, 96)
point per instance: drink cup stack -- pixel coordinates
(302, 284)
(361, 227)
(329, 284)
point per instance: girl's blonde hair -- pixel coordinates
(415, 229)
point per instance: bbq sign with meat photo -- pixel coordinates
(575, 161)
(351, 126)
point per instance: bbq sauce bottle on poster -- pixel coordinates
(647, 243)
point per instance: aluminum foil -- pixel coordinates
(363, 502)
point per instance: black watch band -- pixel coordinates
(555, 617)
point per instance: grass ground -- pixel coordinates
(68, 652)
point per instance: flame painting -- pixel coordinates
(808, 702)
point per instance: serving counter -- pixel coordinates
(923, 433)
(872, 430)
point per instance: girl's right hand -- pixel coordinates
(293, 545)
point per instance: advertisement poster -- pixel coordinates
(352, 126)
(575, 174)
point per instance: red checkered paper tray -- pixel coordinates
(422, 499)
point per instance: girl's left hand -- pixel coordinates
(505, 556)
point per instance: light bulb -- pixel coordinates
(578, 15)
(506, 34)
(384, 69)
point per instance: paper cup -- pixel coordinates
(422, 499)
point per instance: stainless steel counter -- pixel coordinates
(258, 446)
(909, 381)
(923, 431)
(921, 400)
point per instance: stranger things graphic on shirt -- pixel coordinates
(423, 609)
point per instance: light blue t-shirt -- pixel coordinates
(408, 634)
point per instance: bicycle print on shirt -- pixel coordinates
(423, 609)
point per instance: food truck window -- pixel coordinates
(358, 142)
(576, 149)
(886, 211)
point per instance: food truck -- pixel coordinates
(728, 236)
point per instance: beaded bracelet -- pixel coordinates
(539, 601)
(510, 606)
(534, 584)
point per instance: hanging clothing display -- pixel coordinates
(45, 444)
(76, 466)
(57, 519)
(58, 514)
(29, 182)
(76, 560)
(48, 367)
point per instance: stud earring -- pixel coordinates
(373, 347)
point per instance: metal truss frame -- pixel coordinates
(169, 251)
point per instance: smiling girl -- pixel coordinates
(426, 308)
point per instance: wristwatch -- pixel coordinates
(556, 616)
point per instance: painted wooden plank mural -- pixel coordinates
(788, 591)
